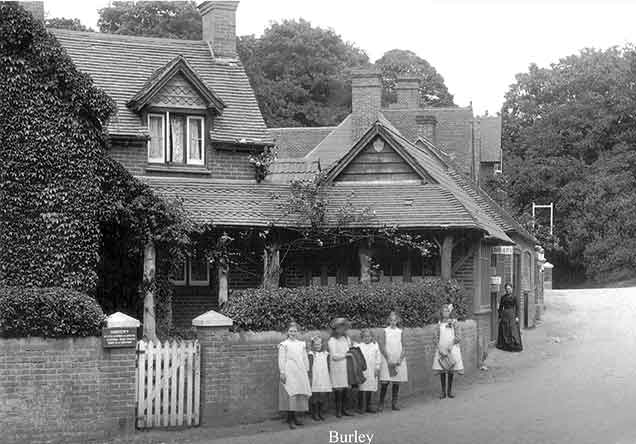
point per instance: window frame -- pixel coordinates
(195, 282)
(163, 131)
(182, 282)
(190, 161)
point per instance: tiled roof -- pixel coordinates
(250, 204)
(297, 142)
(121, 65)
(287, 170)
(490, 138)
(334, 146)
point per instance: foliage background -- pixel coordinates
(365, 305)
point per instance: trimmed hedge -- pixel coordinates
(48, 312)
(365, 305)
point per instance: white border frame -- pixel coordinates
(196, 161)
(195, 283)
(163, 130)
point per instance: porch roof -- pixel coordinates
(402, 205)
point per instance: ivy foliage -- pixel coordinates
(52, 130)
(365, 305)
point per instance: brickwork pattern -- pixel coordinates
(65, 391)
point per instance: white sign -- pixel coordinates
(495, 280)
(503, 249)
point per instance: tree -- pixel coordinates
(177, 20)
(72, 24)
(568, 138)
(299, 73)
(433, 89)
(49, 166)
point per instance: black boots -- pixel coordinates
(383, 387)
(446, 392)
(344, 402)
(315, 408)
(338, 396)
(369, 407)
(442, 378)
(395, 390)
(362, 402)
(291, 420)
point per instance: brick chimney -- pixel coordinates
(35, 8)
(219, 26)
(408, 91)
(427, 127)
(366, 99)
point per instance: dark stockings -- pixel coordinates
(446, 391)
(395, 391)
(383, 388)
(341, 402)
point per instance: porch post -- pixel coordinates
(447, 257)
(222, 275)
(150, 260)
(271, 265)
(364, 256)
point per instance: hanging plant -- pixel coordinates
(262, 161)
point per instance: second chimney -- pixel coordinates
(366, 99)
(219, 26)
(408, 91)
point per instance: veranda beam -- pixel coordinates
(447, 257)
(150, 261)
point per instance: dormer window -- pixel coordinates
(178, 142)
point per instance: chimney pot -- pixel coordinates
(366, 99)
(219, 26)
(408, 90)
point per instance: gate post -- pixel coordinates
(212, 331)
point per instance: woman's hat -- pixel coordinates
(336, 322)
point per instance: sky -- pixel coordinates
(476, 45)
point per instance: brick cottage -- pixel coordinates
(187, 123)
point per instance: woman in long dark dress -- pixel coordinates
(509, 337)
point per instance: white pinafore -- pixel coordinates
(320, 378)
(446, 342)
(393, 349)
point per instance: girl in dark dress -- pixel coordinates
(509, 337)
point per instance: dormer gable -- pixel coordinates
(378, 157)
(176, 85)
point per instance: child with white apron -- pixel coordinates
(294, 389)
(448, 356)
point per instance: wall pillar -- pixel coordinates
(150, 264)
(447, 257)
(212, 328)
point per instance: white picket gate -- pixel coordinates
(168, 383)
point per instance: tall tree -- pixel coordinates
(177, 20)
(73, 24)
(299, 73)
(433, 89)
(569, 138)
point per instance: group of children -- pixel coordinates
(308, 377)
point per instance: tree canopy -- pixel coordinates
(173, 19)
(433, 90)
(72, 24)
(299, 73)
(569, 137)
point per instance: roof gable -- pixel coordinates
(176, 83)
(378, 157)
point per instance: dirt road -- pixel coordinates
(574, 383)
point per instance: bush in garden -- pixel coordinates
(366, 305)
(48, 312)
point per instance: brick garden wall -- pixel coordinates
(239, 372)
(65, 391)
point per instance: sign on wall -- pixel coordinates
(495, 280)
(119, 337)
(503, 249)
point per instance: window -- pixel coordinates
(176, 138)
(156, 144)
(180, 275)
(199, 272)
(195, 140)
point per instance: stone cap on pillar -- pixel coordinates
(120, 319)
(212, 319)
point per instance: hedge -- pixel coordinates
(365, 305)
(48, 312)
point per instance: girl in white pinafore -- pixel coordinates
(320, 378)
(448, 356)
(371, 352)
(294, 389)
(339, 345)
(393, 368)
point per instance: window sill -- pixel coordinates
(187, 169)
